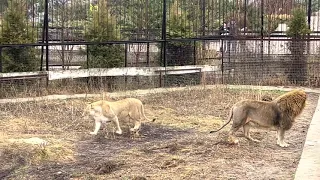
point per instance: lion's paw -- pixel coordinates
(93, 133)
(283, 144)
(118, 131)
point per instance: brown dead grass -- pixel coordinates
(197, 109)
(179, 115)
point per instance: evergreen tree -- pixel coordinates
(179, 26)
(298, 30)
(102, 28)
(17, 30)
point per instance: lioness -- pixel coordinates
(105, 111)
(278, 114)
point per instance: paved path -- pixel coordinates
(309, 164)
(155, 90)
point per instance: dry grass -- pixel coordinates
(40, 87)
(61, 124)
(198, 109)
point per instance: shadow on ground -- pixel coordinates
(163, 152)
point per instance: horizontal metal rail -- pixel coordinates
(25, 77)
(170, 70)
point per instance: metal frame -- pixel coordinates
(201, 34)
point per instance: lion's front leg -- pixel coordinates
(116, 122)
(97, 127)
(280, 140)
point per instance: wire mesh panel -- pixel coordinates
(278, 67)
(238, 42)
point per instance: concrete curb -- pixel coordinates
(151, 91)
(309, 164)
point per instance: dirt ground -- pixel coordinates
(176, 146)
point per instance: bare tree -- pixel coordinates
(66, 18)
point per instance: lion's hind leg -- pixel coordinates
(239, 120)
(136, 129)
(246, 131)
(137, 125)
(231, 137)
(237, 123)
(233, 129)
(137, 121)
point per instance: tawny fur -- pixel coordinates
(105, 111)
(278, 114)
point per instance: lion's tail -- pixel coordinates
(230, 117)
(144, 115)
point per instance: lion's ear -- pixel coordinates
(106, 107)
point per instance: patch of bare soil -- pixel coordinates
(176, 146)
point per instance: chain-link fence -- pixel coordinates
(106, 44)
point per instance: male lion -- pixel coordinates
(278, 114)
(105, 111)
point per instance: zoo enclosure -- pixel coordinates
(59, 36)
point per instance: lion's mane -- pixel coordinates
(290, 105)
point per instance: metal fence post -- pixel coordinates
(42, 47)
(148, 54)
(45, 30)
(309, 22)
(43, 37)
(46, 24)
(1, 83)
(309, 13)
(88, 65)
(195, 51)
(222, 61)
(164, 31)
(262, 34)
(126, 63)
(164, 35)
(203, 25)
(126, 55)
(0, 59)
(203, 19)
(245, 17)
